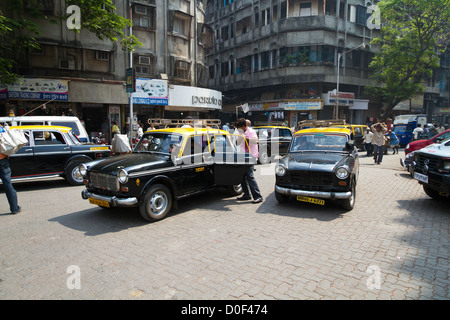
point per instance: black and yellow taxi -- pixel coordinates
(322, 164)
(357, 131)
(53, 151)
(272, 141)
(165, 166)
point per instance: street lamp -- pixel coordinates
(336, 105)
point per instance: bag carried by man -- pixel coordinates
(11, 141)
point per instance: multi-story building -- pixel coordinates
(86, 76)
(278, 58)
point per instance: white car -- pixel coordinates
(432, 169)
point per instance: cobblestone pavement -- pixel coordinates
(392, 245)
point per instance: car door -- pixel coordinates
(196, 165)
(22, 162)
(230, 162)
(50, 151)
(285, 140)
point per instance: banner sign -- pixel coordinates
(38, 89)
(313, 104)
(151, 92)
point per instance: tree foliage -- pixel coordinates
(413, 33)
(19, 27)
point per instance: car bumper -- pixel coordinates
(113, 201)
(314, 194)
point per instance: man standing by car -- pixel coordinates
(5, 175)
(378, 129)
(248, 182)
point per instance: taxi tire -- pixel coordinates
(235, 190)
(349, 204)
(157, 203)
(71, 173)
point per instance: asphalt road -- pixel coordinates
(393, 245)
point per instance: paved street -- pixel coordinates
(393, 245)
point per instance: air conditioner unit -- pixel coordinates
(67, 64)
(140, 9)
(144, 60)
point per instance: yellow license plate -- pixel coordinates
(311, 200)
(99, 202)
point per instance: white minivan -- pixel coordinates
(65, 121)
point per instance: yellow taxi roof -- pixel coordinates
(190, 131)
(41, 127)
(348, 125)
(325, 130)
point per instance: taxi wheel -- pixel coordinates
(157, 203)
(73, 175)
(235, 190)
(349, 203)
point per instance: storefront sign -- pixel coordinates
(151, 92)
(344, 99)
(313, 104)
(183, 96)
(39, 89)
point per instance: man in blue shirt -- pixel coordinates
(5, 175)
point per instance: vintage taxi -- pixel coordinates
(272, 141)
(165, 166)
(53, 151)
(322, 164)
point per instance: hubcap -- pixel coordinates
(158, 203)
(76, 175)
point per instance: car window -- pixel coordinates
(158, 142)
(72, 125)
(74, 138)
(195, 145)
(358, 131)
(48, 138)
(318, 142)
(222, 143)
(286, 133)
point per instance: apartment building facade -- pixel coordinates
(86, 77)
(277, 59)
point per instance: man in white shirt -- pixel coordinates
(416, 131)
(367, 139)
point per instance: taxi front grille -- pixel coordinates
(104, 181)
(313, 179)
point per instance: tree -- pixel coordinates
(413, 33)
(19, 20)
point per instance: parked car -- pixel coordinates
(272, 140)
(322, 164)
(165, 166)
(419, 144)
(64, 121)
(53, 151)
(432, 169)
(357, 131)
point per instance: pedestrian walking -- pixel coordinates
(115, 129)
(367, 140)
(248, 183)
(394, 142)
(378, 129)
(440, 128)
(5, 175)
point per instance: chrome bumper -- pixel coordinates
(313, 194)
(113, 201)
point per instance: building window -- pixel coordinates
(182, 69)
(243, 65)
(284, 7)
(265, 60)
(361, 15)
(46, 6)
(305, 9)
(144, 64)
(144, 17)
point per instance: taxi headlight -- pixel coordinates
(83, 169)
(445, 168)
(342, 173)
(280, 170)
(122, 176)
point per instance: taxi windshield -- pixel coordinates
(159, 142)
(318, 142)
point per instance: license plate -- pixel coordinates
(99, 202)
(421, 177)
(311, 200)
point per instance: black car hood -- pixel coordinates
(132, 162)
(314, 161)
